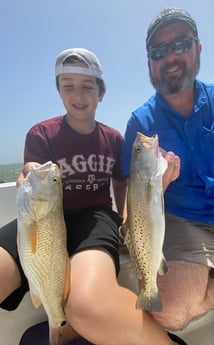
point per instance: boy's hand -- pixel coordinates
(26, 168)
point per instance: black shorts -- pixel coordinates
(86, 228)
(39, 334)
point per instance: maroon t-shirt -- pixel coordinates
(87, 161)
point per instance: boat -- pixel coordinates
(14, 323)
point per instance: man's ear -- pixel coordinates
(199, 47)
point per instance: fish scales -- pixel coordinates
(146, 221)
(42, 243)
(37, 265)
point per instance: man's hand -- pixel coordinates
(173, 170)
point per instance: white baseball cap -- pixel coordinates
(93, 66)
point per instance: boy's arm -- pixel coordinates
(120, 191)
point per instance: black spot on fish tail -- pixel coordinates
(149, 303)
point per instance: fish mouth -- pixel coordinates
(43, 170)
(147, 141)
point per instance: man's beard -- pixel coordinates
(170, 85)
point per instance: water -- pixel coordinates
(10, 172)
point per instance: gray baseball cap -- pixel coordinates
(92, 68)
(167, 16)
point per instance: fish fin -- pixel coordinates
(127, 240)
(128, 243)
(62, 334)
(163, 269)
(149, 191)
(35, 299)
(33, 238)
(67, 281)
(150, 303)
(162, 165)
(18, 240)
(162, 203)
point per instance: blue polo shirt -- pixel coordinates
(192, 139)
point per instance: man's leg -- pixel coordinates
(187, 292)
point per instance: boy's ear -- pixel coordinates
(102, 95)
(100, 98)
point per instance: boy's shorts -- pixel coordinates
(86, 228)
(188, 240)
(39, 334)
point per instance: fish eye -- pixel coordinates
(55, 179)
(137, 149)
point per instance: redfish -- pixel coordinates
(41, 241)
(146, 220)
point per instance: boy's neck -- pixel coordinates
(82, 127)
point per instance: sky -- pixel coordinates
(34, 32)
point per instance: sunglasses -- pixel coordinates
(178, 46)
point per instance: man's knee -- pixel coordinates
(183, 293)
(175, 320)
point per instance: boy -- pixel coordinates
(88, 154)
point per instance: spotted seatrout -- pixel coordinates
(146, 221)
(41, 244)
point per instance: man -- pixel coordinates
(181, 113)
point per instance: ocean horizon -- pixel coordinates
(10, 172)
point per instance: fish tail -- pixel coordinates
(150, 303)
(62, 334)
